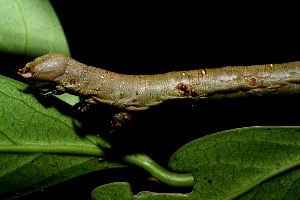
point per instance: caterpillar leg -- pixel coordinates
(84, 105)
(121, 119)
(50, 89)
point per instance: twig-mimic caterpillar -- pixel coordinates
(139, 92)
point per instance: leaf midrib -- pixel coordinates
(55, 149)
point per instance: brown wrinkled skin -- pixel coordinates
(139, 92)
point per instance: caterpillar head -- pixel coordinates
(46, 68)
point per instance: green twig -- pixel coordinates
(160, 173)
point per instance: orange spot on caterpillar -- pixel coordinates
(252, 81)
(72, 82)
(187, 90)
(181, 87)
(193, 92)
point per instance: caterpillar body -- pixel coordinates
(139, 92)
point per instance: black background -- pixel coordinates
(136, 38)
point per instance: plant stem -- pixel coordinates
(160, 173)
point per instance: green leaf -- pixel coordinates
(30, 28)
(229, 164)
(69, 98)
(26, 125)
(120, 190)
(39, 146)
(283, 186)
(113, 191)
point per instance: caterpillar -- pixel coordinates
(140, 92)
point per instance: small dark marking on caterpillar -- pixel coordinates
(72, 82)
(186, 90)
(193, 92)
(252, 81)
